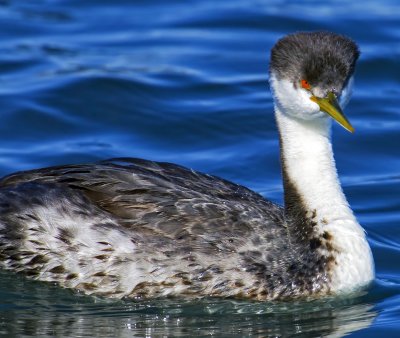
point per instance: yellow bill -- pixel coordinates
(330, 106)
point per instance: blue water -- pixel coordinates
(186, 82)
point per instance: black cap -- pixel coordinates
(325, 60)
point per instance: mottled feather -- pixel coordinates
(136, 228)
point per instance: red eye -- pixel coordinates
(305, 84)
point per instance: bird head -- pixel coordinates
(311, 75)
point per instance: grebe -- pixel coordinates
(142, 229)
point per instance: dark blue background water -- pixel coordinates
(187, 82)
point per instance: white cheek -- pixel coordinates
(346, 93)
(294, 101)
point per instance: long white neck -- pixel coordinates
(312, 187)
(309, 165)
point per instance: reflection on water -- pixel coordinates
(46, 310)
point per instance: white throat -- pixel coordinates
(309, 165)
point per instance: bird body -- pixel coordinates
(137, 228)
(143, 229)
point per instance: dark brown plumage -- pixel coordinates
(200, 236)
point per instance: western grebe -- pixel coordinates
(143, 229)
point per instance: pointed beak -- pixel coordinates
(330, 105)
